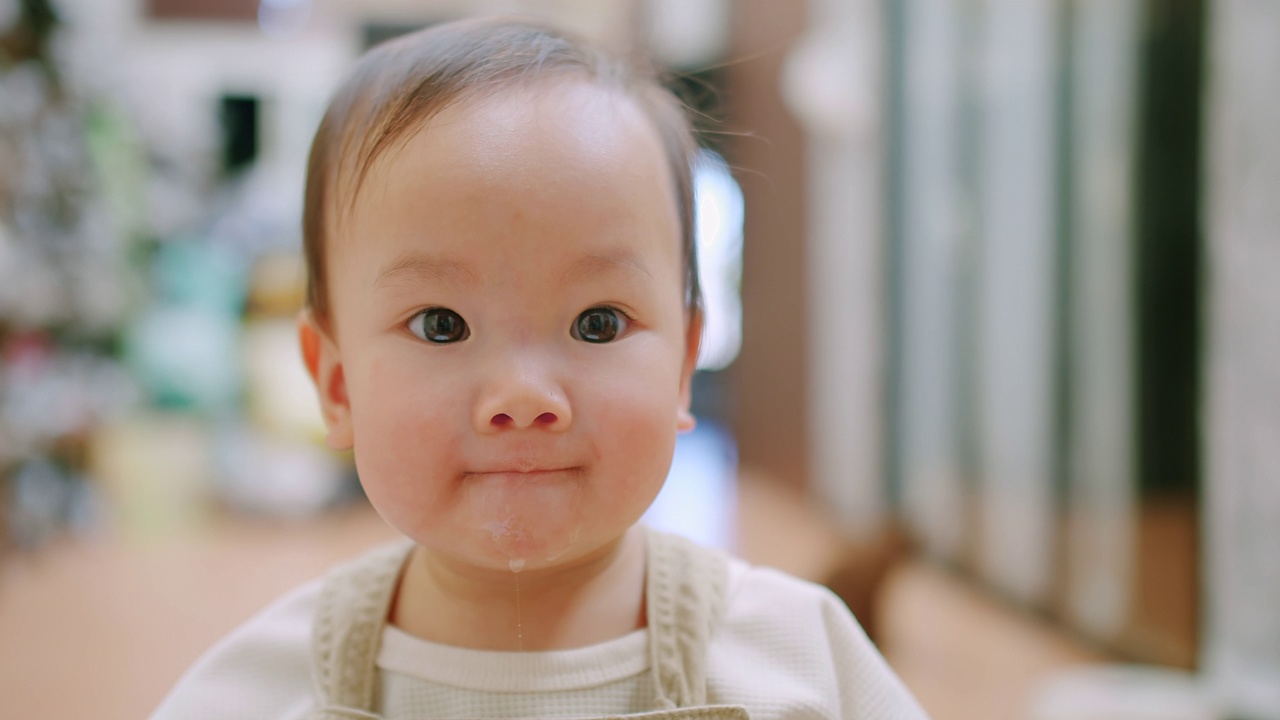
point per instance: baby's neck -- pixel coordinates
(598, 598)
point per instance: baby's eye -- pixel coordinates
(599, 325)
(439, 325)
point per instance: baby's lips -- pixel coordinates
(530, 466)
(521, 468)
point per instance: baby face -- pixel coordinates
(510, 355)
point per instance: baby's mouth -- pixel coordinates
(518, 475)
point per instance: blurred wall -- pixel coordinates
(835, 82)
(1242, 401)
(771, 418)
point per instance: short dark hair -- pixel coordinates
(402, 83)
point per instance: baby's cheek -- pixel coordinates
(403, 450)
(640, 432)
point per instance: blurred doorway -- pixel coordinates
(1044, 255)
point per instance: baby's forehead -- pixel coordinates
(541, 127)
(561, 163)
(559, 133)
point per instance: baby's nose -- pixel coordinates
(523, 399)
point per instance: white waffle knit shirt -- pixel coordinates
(785, 648)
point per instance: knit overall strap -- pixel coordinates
(347, 631)
(685, 596)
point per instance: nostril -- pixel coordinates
(546, 418)
(501, 420)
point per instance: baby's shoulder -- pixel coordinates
(762, 595)
(769, 614)
(803, 639)
(262, 669)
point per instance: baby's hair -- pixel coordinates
(399, 85)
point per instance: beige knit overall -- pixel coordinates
(684, 588)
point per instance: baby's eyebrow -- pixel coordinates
(605, 263)
(425, 266)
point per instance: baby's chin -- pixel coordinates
(524, 519)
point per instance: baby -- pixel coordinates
(502, 324)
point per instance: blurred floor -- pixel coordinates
(102, 629)
(966, 655)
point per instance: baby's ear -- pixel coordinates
(324, 363)
(692, 342)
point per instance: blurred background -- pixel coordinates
(994, 341)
